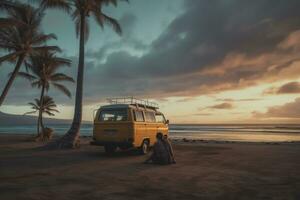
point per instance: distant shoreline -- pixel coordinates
(177, 141)
(7, 119)
(203, 133)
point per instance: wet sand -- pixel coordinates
(204, 170)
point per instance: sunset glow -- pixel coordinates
(220, 68)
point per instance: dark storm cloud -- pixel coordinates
(288, 110)
(292, 87)
(213, 46)
(128, 24)
(288, 88)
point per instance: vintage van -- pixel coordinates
(128, 123)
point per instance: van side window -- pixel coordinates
(138, 116)
(150, 117)
(160, 118)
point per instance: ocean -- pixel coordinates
(237, 133)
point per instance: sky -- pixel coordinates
(204, 61)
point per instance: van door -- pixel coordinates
(151, 126)
(140, 131)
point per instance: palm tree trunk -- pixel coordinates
(71, 138)
(38, 127)
(11, 79)
(74, 130)
(40, 120)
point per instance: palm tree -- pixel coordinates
(22, 39)
(42, 72)
(6, 5)
(81, 11)
(46, 106)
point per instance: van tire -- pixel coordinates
(109, 149)
(144, 149)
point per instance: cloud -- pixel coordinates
(221, 106)
(292, 42)
(288, 110)
(288, 88)
(126, 42)
(184, 100)
(202, 114)
(238, 100)
(207, 49)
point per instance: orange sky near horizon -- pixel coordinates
(249, 105)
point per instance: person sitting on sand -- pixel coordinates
(169, 148)
(160, 154)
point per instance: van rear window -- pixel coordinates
(113, 115)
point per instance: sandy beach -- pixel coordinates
(203, 171)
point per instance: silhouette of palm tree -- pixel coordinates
(42, 71)
(80, 11)
(46, 106)
(22, 39)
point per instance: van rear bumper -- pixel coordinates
(102, 143)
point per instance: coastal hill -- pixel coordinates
(11, 119)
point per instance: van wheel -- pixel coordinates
(144, 149)
(110, 149)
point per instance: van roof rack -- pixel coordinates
(133, 101)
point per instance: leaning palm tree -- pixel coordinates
(43, 72)
(46, 106)
(80, 10)
(22, 39)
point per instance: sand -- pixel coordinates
(203, 171)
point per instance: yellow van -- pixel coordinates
(128, 123)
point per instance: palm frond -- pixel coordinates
(36, 84)
(26, 76)
(61, 61)
(40, 39)
(53, 110)
(62, 88)
(102, 19)
(33, 104)
(31, 112)
(46, 48)
(47, 105)
(48, 113)
(9, 57)
(59, 4)
(8, 22)
(107, 2)
(61, 77)
(6, 5)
